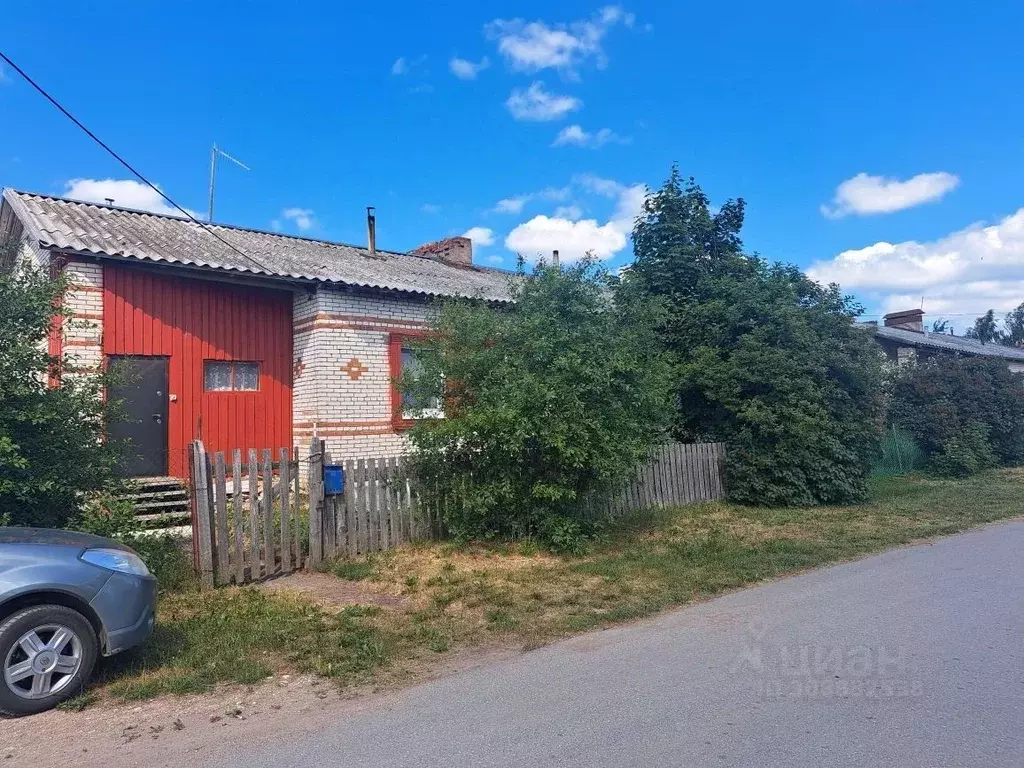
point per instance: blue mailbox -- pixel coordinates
(334, 479)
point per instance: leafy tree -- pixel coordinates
(1014, 336)
(986, 329)
(546, 401)
(51, 436)
(767, 360)
(952, 404)
(941, 325)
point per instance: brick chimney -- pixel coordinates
(456, 251)
(908, 320)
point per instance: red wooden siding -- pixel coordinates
(190, 321)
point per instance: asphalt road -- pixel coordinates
(911, 658)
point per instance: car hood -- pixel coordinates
(57, 538)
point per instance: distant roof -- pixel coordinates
(945, 342)
(112, 232)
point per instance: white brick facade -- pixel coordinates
(343, 377)
(82, 331)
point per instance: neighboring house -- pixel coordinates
(903, 337)
(259, 347)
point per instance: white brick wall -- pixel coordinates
(333, 330)
(83, 330)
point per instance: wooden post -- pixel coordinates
(363, 506)
(296, 498)
(286, 511)
(351, 543)
(316, 501)
(254, 515)
(204, 541)
(223, 575)
(239, 510)
(330, 518)
(269, 565)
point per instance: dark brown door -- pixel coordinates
(141, 423)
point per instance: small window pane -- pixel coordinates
(247, 376)
(414, 403)
(217, 377)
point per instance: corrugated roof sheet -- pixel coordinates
(946, 342)
(114, 232)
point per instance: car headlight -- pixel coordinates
(116, 560)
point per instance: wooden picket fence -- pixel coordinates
(676, 474)
(252, 520)
(247, 518)
(379, 508)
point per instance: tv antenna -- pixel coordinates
(214, 152)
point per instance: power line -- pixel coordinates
(127, 165)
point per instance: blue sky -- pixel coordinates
(436, 113)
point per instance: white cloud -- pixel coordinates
(536, 45)
(430, 208)
(495, 259)
(574, 134)
(125, 193)
(415, 68)
(516, 204)
(865, 195)
(464, 69)
(481, 236)
(968, 271)
(603, 187)
(573, 237)
(304, 218)
(534, 103)
(510, 204)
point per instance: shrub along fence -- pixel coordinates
(252, 520)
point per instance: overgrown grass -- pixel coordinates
(515, 595)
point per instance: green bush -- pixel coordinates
(558, 396)
(900, 454)
(950, 405)
(52, 447)
(768, 361)
(965, 454)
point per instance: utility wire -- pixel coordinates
(127, 165)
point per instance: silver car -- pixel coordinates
(65, 598)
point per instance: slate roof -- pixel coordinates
(112, 232)
(946, 342)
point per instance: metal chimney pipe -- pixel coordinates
(554, 258)
(371, 229)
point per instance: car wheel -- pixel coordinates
(47, 653)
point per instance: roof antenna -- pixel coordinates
(214, 152)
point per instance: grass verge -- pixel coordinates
(456, 598)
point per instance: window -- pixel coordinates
(409, 406)
(221, 376)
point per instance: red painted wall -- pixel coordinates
(160, 313)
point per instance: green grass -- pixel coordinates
(513, 594)
(242, 636)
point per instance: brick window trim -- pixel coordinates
(396, 340)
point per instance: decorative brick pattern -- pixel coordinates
(354, 368)
(337, 333)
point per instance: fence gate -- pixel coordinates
(247, 516)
